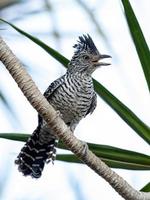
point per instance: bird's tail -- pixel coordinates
(34, 155)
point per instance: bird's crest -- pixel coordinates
(85, 43)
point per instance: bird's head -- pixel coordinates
(86, 56)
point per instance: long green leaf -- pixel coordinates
(138, 38)
(15, 136)
(123, 111)
(146, 188)
(114, 157)
(110, 162)
(64, 61)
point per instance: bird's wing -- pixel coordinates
(53, 86)
(50, 90)
(93, 104)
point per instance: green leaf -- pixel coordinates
(146, 188)
(113, 156)
(110, 162)
(15, 136)
(139, 40)
(64, 61)
(123, 111)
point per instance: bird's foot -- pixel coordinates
(58, 113)
(84, 148)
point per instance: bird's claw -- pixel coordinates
(85, 148)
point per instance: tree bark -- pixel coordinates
(38, 101)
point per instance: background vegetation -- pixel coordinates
(113, 156)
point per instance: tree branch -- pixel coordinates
(38, 101)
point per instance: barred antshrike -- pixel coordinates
(73, 96)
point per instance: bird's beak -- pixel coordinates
(102, 56)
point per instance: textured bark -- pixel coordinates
(37, 100)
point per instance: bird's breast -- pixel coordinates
(73, 98)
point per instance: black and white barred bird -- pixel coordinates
(73, 96)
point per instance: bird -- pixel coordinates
(73, 96)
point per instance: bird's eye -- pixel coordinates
(86, 57)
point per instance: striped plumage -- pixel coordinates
(73, 96)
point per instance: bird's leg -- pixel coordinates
(73, 125)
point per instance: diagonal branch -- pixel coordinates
(37, 100)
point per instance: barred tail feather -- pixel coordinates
(34, 155)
